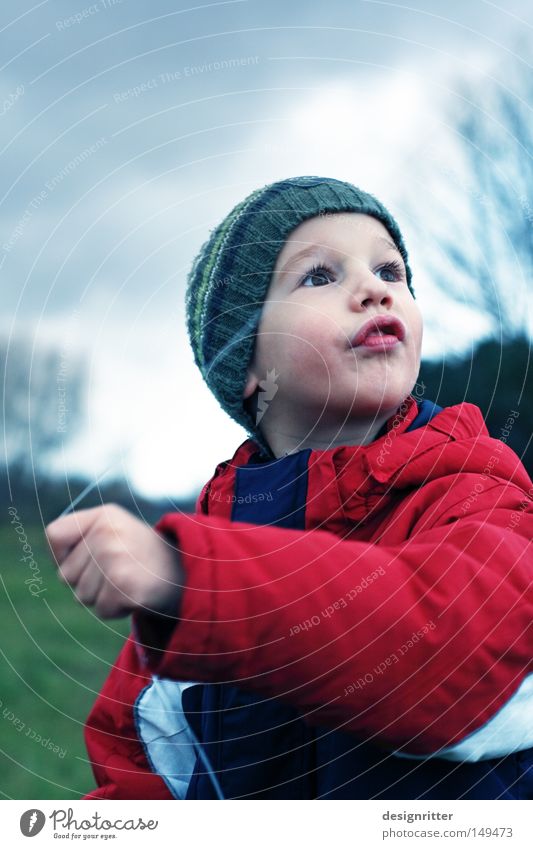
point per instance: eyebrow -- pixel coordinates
(312, 249)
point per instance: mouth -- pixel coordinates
(381, 333)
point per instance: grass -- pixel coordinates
(54, 658)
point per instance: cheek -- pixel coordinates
(294, 338)
(420, 333)
(309, 351)
(416, 326)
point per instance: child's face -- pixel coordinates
(310, 320)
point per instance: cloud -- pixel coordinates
(143, 128)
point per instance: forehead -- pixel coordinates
(340, 231)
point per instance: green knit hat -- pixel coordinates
(229, 278)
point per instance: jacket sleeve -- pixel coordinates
(415, 646)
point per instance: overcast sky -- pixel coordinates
(129, 129)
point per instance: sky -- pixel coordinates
(129, 130)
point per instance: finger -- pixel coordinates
(64, 534)
(89, 583)
(111, 604)
(74, 564)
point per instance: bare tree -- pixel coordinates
(478, 199)
(42, 399)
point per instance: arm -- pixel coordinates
(415, 645)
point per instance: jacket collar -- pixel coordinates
(251, 452)
(351, 481)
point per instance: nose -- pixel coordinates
(367, 290)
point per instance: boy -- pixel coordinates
(355, 588)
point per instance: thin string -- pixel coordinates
(205, 760)
(194, 740)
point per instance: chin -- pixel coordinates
(374, 400)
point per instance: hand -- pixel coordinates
(115, 563)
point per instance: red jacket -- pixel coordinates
(401, 612)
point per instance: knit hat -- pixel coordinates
(229, 278)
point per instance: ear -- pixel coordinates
(252, 383)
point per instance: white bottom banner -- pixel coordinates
(263, 823)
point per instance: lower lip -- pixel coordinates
(380, 343)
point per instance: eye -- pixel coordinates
(391, 271)
(321, 273)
